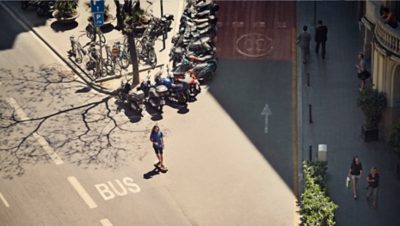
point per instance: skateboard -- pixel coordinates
(161, 169)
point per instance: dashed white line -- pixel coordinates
(105, 222)
(4, 200)
(82, 192)
(45, 145)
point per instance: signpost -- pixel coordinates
(97, 7)
(98, 19)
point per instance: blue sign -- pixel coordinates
(97, 6)
(98, 19)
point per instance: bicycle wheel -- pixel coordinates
(78, 55)
(108, 67)
(90, 33)
(124, 60)
(102, 38)
(152, 58)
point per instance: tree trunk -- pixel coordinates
(134, 59)
(120, 20)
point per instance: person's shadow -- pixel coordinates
(151, 173)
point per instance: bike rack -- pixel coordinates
(146, 69)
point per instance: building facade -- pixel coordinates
(382, 48)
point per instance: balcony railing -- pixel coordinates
(388, 37)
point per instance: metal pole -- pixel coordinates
(101, 52)
(162, 14)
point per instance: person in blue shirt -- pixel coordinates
(156, 137)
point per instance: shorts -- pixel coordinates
(355, 177)
(158, 149)
(364, 75)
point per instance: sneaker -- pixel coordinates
(355, 197)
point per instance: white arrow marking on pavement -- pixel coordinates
(105, 222)
(267, 112)
(4, 200)
(45, 145)
(82, 192)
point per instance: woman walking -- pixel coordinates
(355, 172)
(373, 184)
(156, 137)
(362, 72)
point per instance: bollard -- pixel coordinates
(310, 152)
(310, 114)
(322, 152)
(308, 79)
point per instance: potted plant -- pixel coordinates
(136, 21)
(66, 10)
(372, 103)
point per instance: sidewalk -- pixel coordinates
(337, 120)
(58, 37)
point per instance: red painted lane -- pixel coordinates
(255, 29)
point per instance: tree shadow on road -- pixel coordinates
(84, 129)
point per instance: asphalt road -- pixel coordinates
(86, 164)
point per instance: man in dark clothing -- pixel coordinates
(321, 32)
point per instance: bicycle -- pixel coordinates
(77, 50)
(91, 33)
(116, 56)
(146, 52)
(97, 64)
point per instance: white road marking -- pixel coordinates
(45, 145)
(4, 200)
(267, 112)
(105, 222)
(82, 192)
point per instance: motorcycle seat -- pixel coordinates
(177, 86)
(161, 89)
(201, 65)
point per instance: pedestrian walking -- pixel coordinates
(321, 32)
(157, 138)
(362, 72)
(355, 172)
(303, 40)
(373, 184)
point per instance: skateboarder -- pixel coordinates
(156, 137)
